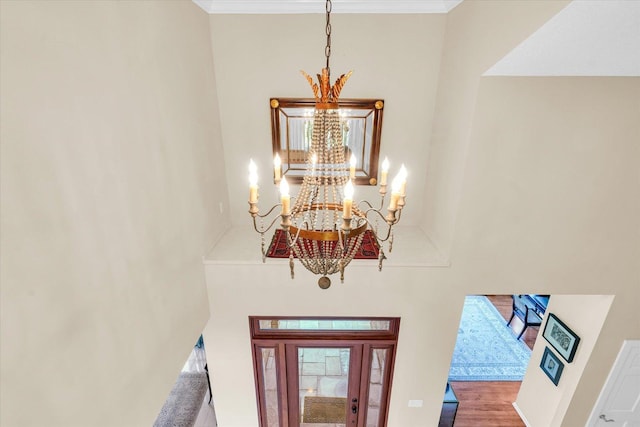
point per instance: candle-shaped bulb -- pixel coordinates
(277, 167)
(348, 191)
(347, 203)
(253, 182)
(403, 172)
(284, 187)
(385, 165)
(253, 169)
(403, 180)
(253, 173)
(284, 196)
(396, 185)
(352, 166)
(385, 172)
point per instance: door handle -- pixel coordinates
(604, 418)
(354, 409)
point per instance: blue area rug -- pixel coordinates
(486, 349)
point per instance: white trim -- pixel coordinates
(521, 415)
(316, 6)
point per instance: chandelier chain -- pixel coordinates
(327, 49)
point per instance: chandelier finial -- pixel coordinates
(327, 94)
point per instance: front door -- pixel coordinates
(325, 384)
(324, 377)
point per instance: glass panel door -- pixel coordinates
(326, 382)
(377, 385)
(323, 372)
(323, 384)
(270, 386)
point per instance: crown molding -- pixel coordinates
(317, 6)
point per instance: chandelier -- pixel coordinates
(324, 228)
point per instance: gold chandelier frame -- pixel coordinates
(324, 229)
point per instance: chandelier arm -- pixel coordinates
(377, 211)
(366, 202)
(375, 233)
(263, 230)
(399, 212)
(268, 213)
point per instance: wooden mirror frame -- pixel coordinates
(365, 116)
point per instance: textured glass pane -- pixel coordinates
(323, 384)
(325, 325)
(268, 324)
(270, 386)
(376, 383)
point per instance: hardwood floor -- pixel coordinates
(489, 403)
(503, 304)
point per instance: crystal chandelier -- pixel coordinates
(324, 228)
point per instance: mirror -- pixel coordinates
(292, 125)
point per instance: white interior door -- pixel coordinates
(619, 401)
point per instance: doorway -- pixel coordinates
(334, 372)
(498, 347)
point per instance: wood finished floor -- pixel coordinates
(489, 403)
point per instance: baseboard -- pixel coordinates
(520, 414)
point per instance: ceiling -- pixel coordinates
(586, 38)
(318, 6)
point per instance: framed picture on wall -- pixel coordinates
(551, 365)
(563, 339)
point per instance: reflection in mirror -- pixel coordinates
(292, 127)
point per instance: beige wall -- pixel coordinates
(537, 391)
(549, 205)
(418, 295)
(552, 171)
(111, 164)
(393, 57)
(112, 170)
(478, 34)
(486, 148)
